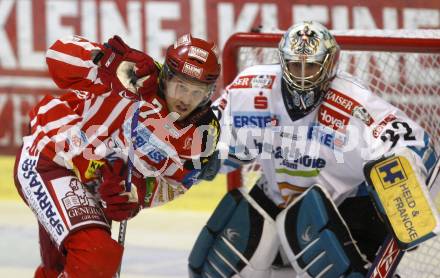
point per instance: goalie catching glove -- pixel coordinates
(125, 68)
(118, 204)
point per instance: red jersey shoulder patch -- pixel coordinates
(253, 81)
(381, 125)
(348, 105)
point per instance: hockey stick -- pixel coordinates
(389, 257)
(130, 165)
(129, 74)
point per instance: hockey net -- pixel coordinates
(402, 66)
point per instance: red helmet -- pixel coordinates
(194, 58)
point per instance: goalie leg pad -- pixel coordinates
(239, 239)
(316, 239)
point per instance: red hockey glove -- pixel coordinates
(125, 68)
(118, 204)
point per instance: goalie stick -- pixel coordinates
(390, 255)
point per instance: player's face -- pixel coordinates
(302, 70)
(183, 95)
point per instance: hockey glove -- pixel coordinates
(209, 163)
(208, 126)
(209, 166)
(124, 68)
(118, 204)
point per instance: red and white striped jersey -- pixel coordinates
(71, 67)
(91, 124)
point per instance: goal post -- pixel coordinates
(260, 48)
(402, 66)
(365, 41)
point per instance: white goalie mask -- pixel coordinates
(309, 57)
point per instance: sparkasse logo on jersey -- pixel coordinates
(39, 198)
(260, 101)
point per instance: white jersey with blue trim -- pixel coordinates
(329, 146)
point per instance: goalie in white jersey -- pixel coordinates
(307, 124)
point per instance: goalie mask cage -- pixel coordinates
(402, 66)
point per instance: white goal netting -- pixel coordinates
(406, 72)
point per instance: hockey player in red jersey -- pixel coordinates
(72, 168)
